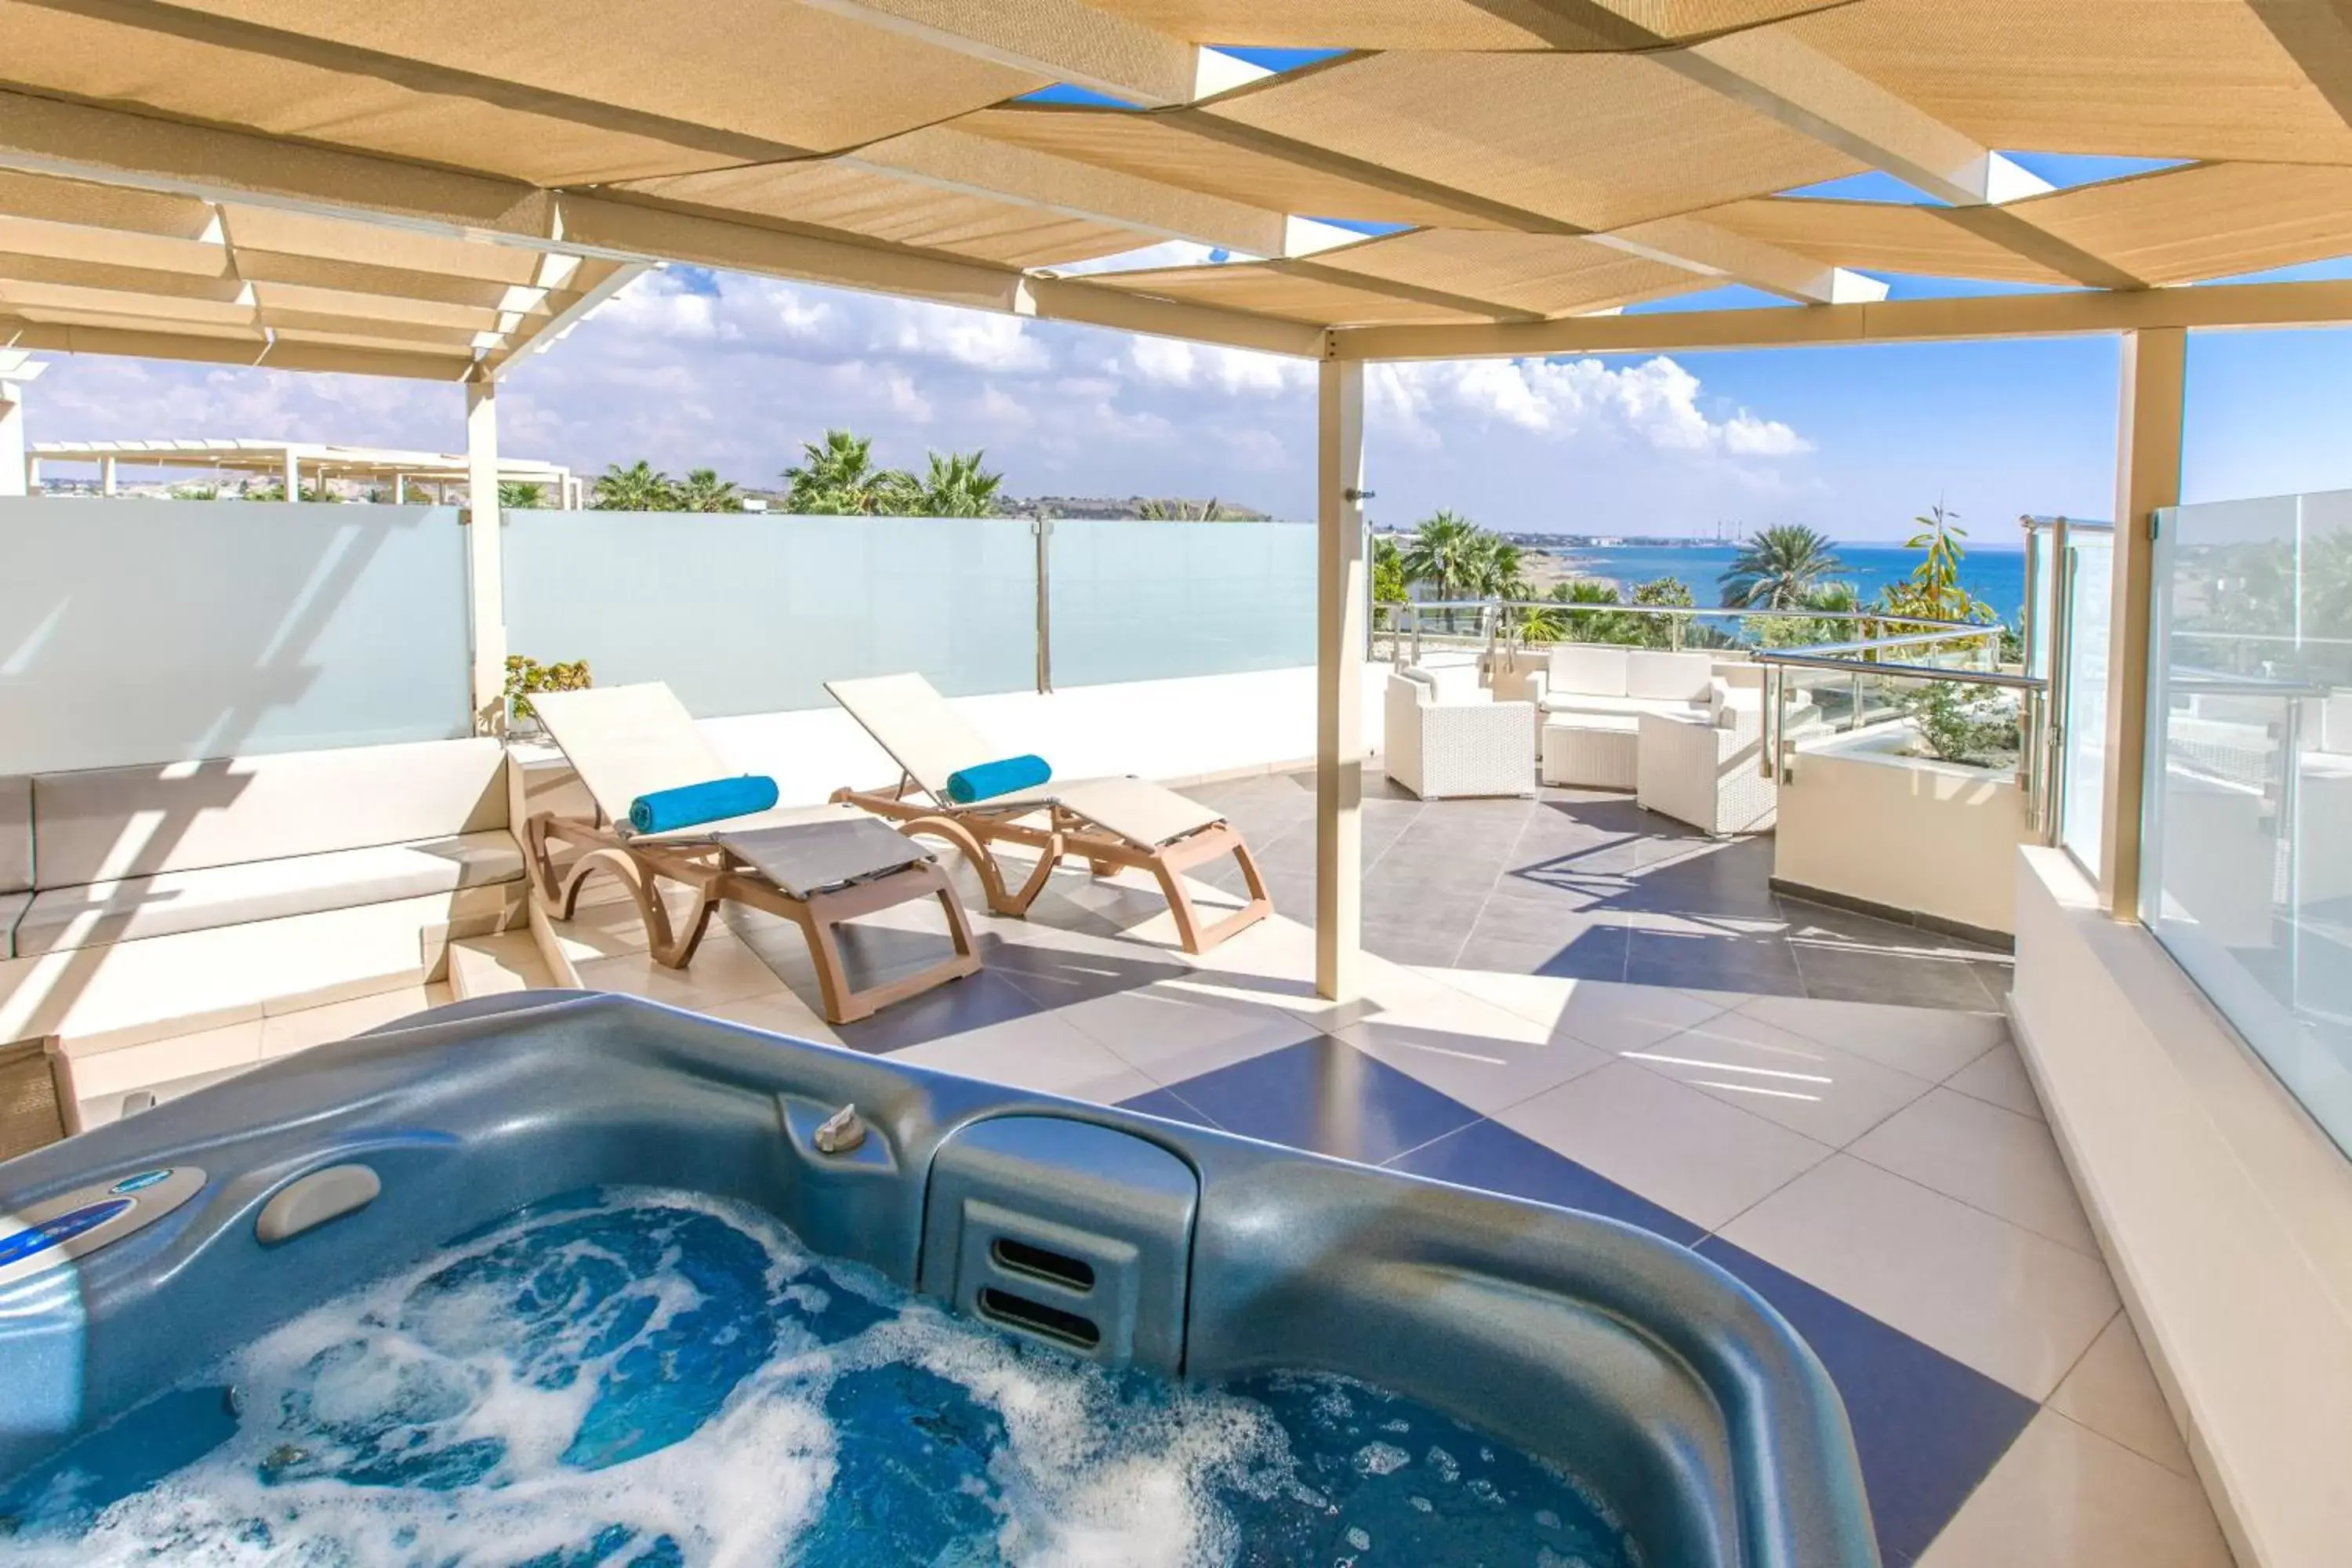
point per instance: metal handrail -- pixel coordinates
(1809, 660)
(1885, 618)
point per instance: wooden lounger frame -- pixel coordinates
(715, 874)
(1065, 833)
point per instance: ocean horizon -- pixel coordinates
(1995, 575)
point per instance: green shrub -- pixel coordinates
(525, 676)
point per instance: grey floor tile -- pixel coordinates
(1850, 975)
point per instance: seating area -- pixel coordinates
(1682, 731)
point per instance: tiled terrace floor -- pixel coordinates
(1582, 884)
(1881, 1174)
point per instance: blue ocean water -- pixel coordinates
(1996, 576)
(627, 1379)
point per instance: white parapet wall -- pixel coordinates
(1859, 819)
(2224, 1211)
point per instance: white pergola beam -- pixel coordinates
(2067, 314)
(1710, 251)
(1063, 40)
(946, 159)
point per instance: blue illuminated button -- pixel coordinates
(144, 1179)
(58, 1228)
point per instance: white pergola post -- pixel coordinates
(20, 474)
(106, 476)
(1339, 679)
(292, 478)
(2148, 477)
(484, 566)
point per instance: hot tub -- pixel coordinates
(208, 1310)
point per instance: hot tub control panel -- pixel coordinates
(56, 1231)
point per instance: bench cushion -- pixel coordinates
(170, 902)
(1596, 669)
(111, 823)
(16, 834)
(1680, 677)
(1571, 702)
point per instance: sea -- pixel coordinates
(1994, 576)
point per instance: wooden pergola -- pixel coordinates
(435, 188)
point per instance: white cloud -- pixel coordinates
(691, 369)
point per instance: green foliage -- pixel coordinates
(704, 491)
(1805, 631)
(515, 497)
(1444, 553)
(1171, 509)
(957, 486)
(525, 676)
(637, 487)
(1662, 631)
(1935, 590)
(1777, 567)
(195, 492)
(1961, 723)
(1589, 621)
(1389, 585)
(837, 477)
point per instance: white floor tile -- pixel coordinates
(1932, 1043)
(1039, 1053)
(2015, 1306)
(780, 1012)
(1674, 1146)
(1601, 1013)
(2065, 1496)
(2112, 1392)
(1998, 1078)
(1996, 1160)
(285, 1032)
(1824, 1093)
(723, 970)
(1172, 1030)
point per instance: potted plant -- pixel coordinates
(525, 676)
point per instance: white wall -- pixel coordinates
(1907, 832)
(2225, 1213)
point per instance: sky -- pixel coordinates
(692, 369)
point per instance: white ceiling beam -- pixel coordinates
(1710, 251)
(1076, 299)
(202, 348)
(559, 326)
(1063, 40)
(946, 159)
(2076, 313)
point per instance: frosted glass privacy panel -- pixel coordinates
(2088, 581)
(151, 631)
(754, 612)
(1141, 601)
(2247, 870)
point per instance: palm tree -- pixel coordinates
(1444, 554)
(1171, 509)
(957, 486)
(518, 496)
(704, 491)
(837, 475)
(1389, 585)
(637, 487)
(1777, 567)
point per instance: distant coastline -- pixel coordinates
(1995, 575)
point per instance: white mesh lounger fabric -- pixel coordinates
(1111, 822)
(817, 865)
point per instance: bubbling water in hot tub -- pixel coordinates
(642, 1379)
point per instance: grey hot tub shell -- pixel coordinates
(1676, 1391)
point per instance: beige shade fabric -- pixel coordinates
(1889, 236)
(1450, 23)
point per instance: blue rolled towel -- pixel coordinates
(986, 781)
(689, 806)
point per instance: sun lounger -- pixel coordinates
(815, 865)
(1112, 822)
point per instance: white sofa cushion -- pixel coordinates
(16, 834)
(113, 823)
(1567, 702)
(1675, 677)
(1590, 668)
(174, 901)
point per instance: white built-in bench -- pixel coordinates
(140, 903)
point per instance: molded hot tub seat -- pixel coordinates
(1699, 1415)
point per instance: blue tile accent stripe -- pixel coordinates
(1927, 1428)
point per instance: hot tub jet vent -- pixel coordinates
(1065, 1232)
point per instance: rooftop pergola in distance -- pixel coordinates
(1549, 161)
(293, 462)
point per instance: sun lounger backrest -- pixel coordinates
(628, 741)
(910, 720)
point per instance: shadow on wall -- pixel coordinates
(181, 635)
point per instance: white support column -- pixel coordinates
(2147, 475)
(1339, 679)
(400, 489)
(292, 478)
(106, 476)
(485, 569)
(19, 474)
